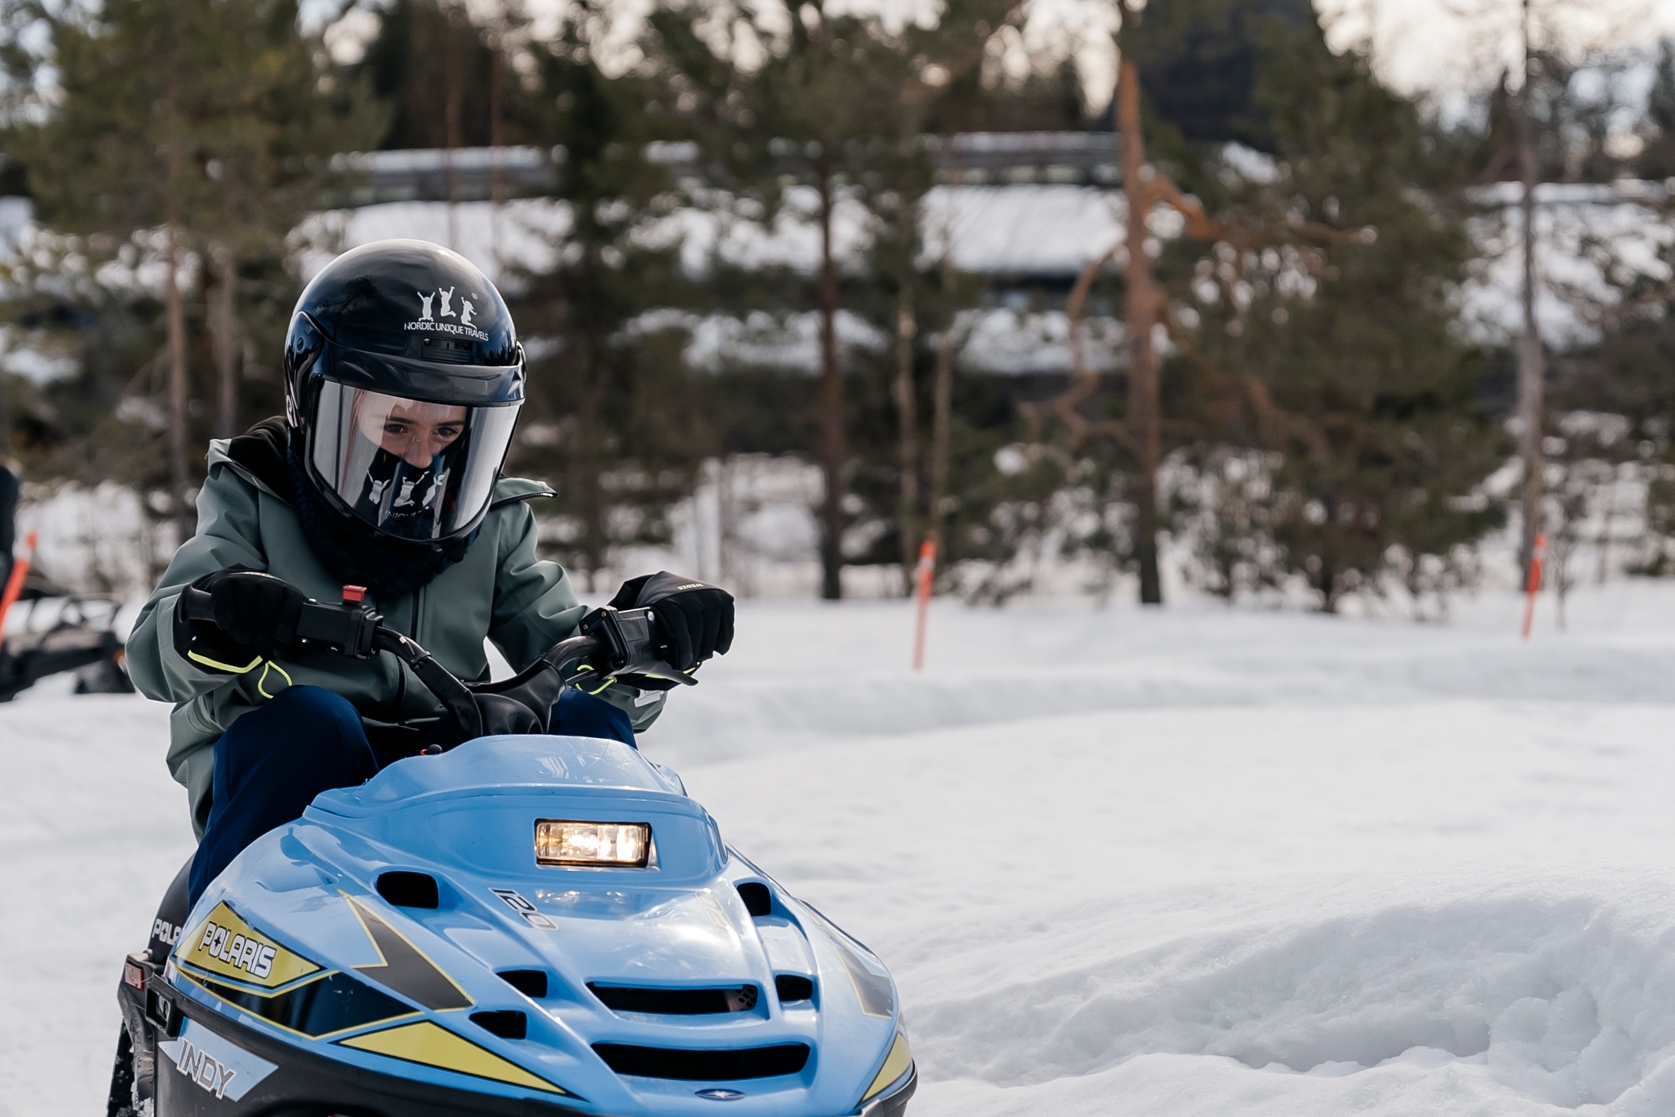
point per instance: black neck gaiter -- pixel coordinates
(388, 568)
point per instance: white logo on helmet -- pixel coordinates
(439, 304)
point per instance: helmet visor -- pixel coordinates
(408, 468)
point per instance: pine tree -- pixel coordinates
(615, 420)
(834, 103)
(190, 129)
(1326, 337)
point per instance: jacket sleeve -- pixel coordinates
(535, 607)
(226, 536)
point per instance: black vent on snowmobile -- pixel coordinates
(677, 1002)
(792, 987)
(758, 901)
(409, 890)
(728, 1065)
(506, 1025)
(531, 983)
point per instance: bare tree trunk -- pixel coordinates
(726, 523)
(1532, 370)
(1327, 582)
(454, 93)
(1561, 567)
(175, 315)
(1605, 529)
(942, 408)
(587, 486)
(223, 323)
(1143, 300)
(834, 450)
(175, 308)
(907, 419)
(497, 184)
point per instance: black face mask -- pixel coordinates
(402, 499)
(389, 568)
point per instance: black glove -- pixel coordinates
(255, 616)
(694, 619)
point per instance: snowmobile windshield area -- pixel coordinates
(410, 468)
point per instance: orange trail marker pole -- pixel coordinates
(1533, 585)
(925, 570)
(14, 584)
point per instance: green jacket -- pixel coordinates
(499, 590)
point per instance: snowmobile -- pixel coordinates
(62, 631)
(524, 924)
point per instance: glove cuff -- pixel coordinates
(207, 648)
(628, 594)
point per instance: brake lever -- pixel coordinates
(630, 637)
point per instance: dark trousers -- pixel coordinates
(273, 761)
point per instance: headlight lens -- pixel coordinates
(620, 845)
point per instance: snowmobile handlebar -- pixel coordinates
(612, 642)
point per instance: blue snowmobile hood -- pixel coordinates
(406, 927)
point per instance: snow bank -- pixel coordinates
(845, 675)
(1527, 995)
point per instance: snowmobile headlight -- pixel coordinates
(625, 845)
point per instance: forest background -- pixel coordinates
(1272, 383)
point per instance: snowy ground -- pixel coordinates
(1195, 862)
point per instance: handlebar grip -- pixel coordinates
(197, 604)
(344, 628)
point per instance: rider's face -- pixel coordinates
(415, 432)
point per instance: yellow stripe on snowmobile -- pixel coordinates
(434, 1046)
(226, 945)
(895, 1065)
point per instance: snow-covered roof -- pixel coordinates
(1588, 236)
(1022, 230)
(1034, 230)
(470, 173)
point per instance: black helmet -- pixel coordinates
(403, 380)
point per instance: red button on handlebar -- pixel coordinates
(353, 595)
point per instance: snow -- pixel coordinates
(1592, 241)
(97, 539)
(1196, 861)
(1036, 229)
